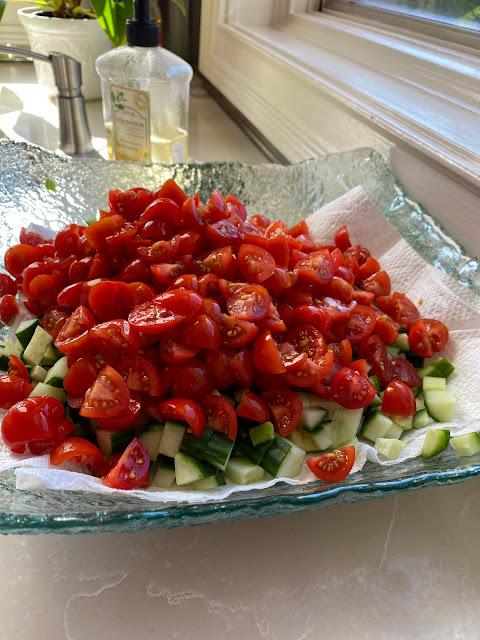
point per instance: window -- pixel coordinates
(455, 14)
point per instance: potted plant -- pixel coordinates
(83, 32)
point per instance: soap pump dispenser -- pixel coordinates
(145, 92)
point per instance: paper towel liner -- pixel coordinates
(436, 295)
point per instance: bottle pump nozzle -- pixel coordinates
(141, 31)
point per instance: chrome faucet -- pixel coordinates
(75, 138)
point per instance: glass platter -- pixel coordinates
(289, 193)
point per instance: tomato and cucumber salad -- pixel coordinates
(175, 341)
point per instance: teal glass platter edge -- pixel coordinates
(286, 192)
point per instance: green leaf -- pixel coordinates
(112, 17)
(50, 184)
(2, 7)
(181, 5)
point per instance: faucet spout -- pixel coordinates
(75, 137)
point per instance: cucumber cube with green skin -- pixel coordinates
(42, 389)
(50, 356)
(25, 331)
(188, 469)
(57, 373)
(242, 471)
(431, 383)
(303, 440)
(151, 440)
(261, 433)
(435, 442)
(467, 444)
(440, 404)
(345, 425)
(389, 447)
(164, 476)
(376, 426)
(402, 342)
(421, 419)
(4, 362)
(205, 484)
(37, 346)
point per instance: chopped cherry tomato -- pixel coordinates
(352, 390)
(307, 339)
(108, 397)
(398, 399)
(342, 239)
(171, 190)
(160, 251)
(307, 375)
(255, 264)
(427, 337)
(13, 389)
(219, 262)
(285, 408)
(266, 355)
(386, 329)
(342, 351)
(123, 421)
(7, 285)
(78, 451)
(187, 281)
(360, 324)
(399, 308)
(115, 337)
(404, 371)
(373, 350)
(220, 416)
(252, 407)
(17, 368)
(73, 339)
(317, 268)
(80, 376)
(131, 469)
(8, 308)
(220, 368)
(30, 420)
(141, 375)
(110, 300)
(378, 284)
(367, 268)
(202, 332)
(173, 350)
(251, 302)
(310, 314)
(130, 203)
(333, 466)
(364, 298)
(191, 380)
(237, 333)
(62, 429)
(70, 241)
(20, 256)
(361, 366)
(97, 233)
(141, 293)
(184, 410)
(53, 321)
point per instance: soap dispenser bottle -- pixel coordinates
(145, 92)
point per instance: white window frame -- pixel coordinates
(317, 82)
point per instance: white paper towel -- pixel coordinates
(436, 294)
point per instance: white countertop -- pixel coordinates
(405, 567)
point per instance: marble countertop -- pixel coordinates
(402, 568)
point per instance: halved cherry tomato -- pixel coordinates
(160, 251)
(191, 379)
(7, 285)
(253, 408)
(342, 239)
(115, 338)
(241, 364)
(367, 268)
(70, 241)
(97, 233)
(361, 324)
(141, 293)
(266, 355)
(399, 307)
(53, 321)
(403, 370)
(13, 389)
(202, 332)
(187, 281)
(110, 299)
(8, 308)
(427, 337)
(20, 256)
(378, 284)
(124, 420)
(361, 366)
(342, 351)
(333, 466)
(185, 410)
(250, 302)
(285, 408)
(30, 420)
(310, 314)
(80, 376)
(219, 365)
(364, 298)
(307, 339)
(386, 329)
(131, 470)
(398, 399)
(317, 268)
(130, 203)
(352, 390)
(338, 311)
(141, 375)
(108, 397)
(62, 429)
(73, 339)
(373, 350)
(171, 190)
(255, 264)
(219, 262)
(173, 350)
(220, 416)
(78, 451)
(236, 333)
(307, 375)
(17, 368)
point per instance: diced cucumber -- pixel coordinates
(151, 440)
(312, 418)
(242, 471)
(439, 368)
(303, 440)
(275, 454)
(261, 433)
(322, 439)
(389, 447)
(212, 482)
(466, 445)
(50, 356)
(57, 373)
(376, 426)
(419, 404)
(42, 389)
(421, 419)
(13, 349)
(37, 346)
(435, 442)
(171, 439)
(313, 401)
(440, 404)
(392, 350)
(345, 425)
(188, 469)
(213, 447)
(376, 402)
(291, 463)
(3, 360)
(113, 441)
(431, 383)
(375, 380)
(25, 331)
(402, 342)
(255, 454)
(405, 422)
(395, 431)
(38, 373)
(164, 474)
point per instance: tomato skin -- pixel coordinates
(31, 420)
(78, 451)
(342, 239)
(252, 407)
(399, 308)
(80, 376)
(378, 284)
(97, 233)
(8, 308)
(131, 469)
(202, 332)
(191, 380)
(427, 336)
(219, 365)
(151, 318)
(173, 350)
(236, 333)
(115, 337)
(364, 298)
(171, 190)
(255, 264)
(130, 203)
(53, 321)
(108, 397)
(141, 375)
(398, 400)
(123, 421)
(386, 329)
(160, 251)
(305, 376)
(373, 350)
(310, 314)
(266, 356)
(351, 390)
(250, 302)
(333, 466)
(220, 416)
(285, 408)
(12, 390)
(368, 268)
(360, 366)
(110, 300)
(360, 324)
(73, 339)
(185, 410)
(317, 268)
(187, 281)
(7, 285)
(17, 368)
(404, 371)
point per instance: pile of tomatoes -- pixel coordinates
(165, 299)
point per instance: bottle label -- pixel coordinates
(131, 124)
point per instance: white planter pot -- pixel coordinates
(83, 40)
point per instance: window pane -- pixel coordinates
(462, 13)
